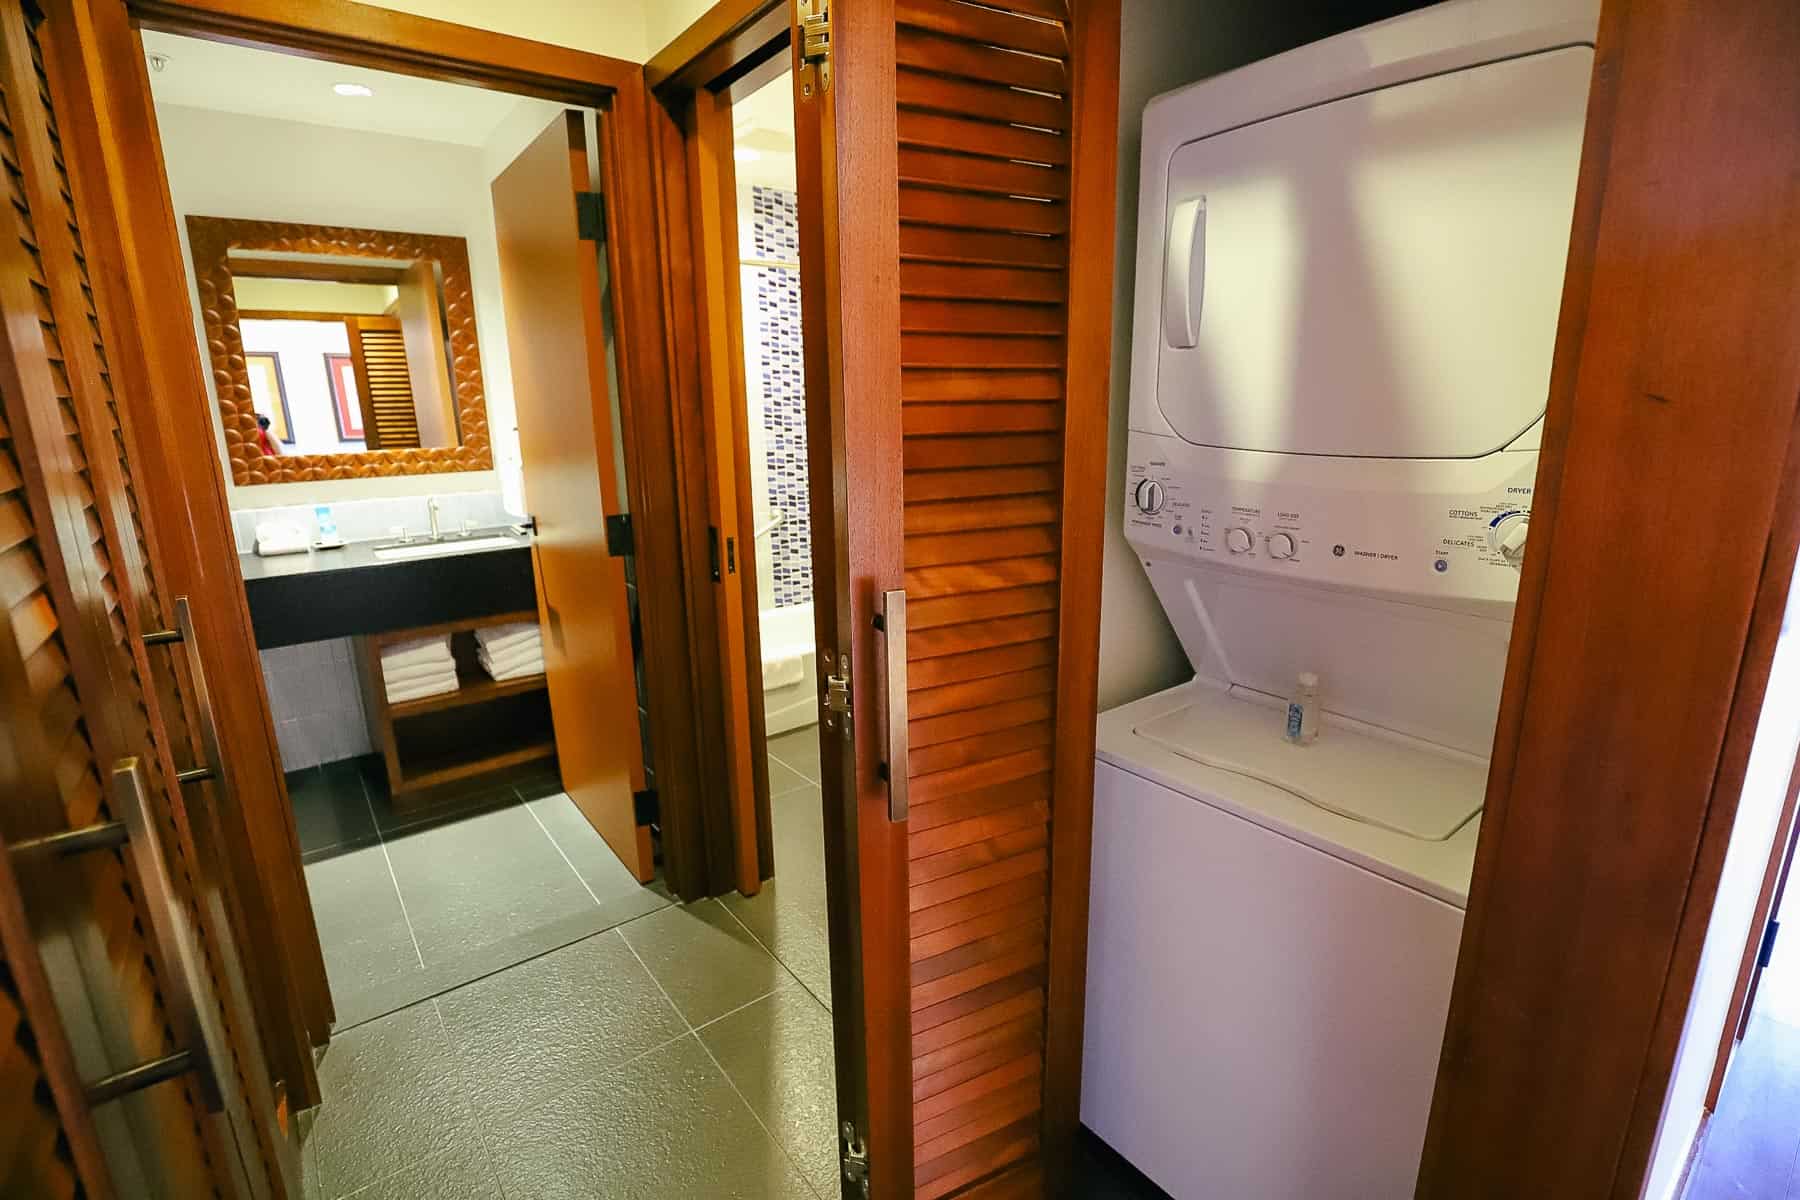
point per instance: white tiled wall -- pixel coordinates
(317, 706)
(373, 519)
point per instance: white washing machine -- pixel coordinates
(1350, 266)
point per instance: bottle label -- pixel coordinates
(1295, 715)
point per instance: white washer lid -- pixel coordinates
(1401, 786)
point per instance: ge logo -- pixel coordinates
(1337, 551)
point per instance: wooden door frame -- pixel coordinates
(1645, 632)
(731, 47)
(185, 496)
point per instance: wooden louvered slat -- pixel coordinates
(979, 481)
(950, 810)
(966, 1164)
(960, 752)
(949, 1109)
(952, 281)
(1017, 541)
(975, 1055)
(956, 610)
(968, 722)
(955, 350)
(994, 102)
(975, 316)
(948, 864)
(999, 659)
(984, 25)
(955, 516)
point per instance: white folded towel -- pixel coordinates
(508, 637)
(421, 650)
(516, 668)
(399, 676)
(436, 685)
(507, 660)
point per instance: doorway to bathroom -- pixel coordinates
(436, 540)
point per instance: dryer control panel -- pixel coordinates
(1442, 531)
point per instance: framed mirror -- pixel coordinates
(340, 353)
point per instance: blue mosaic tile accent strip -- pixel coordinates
(777, 365)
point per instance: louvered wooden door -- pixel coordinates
(383, 379)
(118, 946)
(957, 182)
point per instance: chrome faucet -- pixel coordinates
(431, 507)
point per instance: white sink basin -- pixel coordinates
(440, 549)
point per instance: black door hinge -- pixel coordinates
(1768, 946)
(619, 540)
(645, 807)
(590, 216)
(712, 551)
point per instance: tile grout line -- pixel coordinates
(766, 949)
(381, 840)
(557, 846)
(712, 1058)
(790, 766)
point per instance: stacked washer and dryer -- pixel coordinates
(1350, 265)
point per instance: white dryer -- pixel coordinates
(1350, 266)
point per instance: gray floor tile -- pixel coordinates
(666, 1125)
(799, 820)
(783, 778)
(704, 959)
(778, 1051)
(463, 1172)
(543, 1027)
(799, 749)
(621, 897)
(392, 1098)
(789, 919)
(362, 926)
(331, 810)
(482, 880)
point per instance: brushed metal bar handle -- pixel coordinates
(893, 628)
(178, 941)
(211, 765)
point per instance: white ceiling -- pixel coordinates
(262, 83)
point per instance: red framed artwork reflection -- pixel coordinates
(345, 405)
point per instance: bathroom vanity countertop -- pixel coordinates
(322, 594)
(358, 555)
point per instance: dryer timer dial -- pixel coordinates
(1507, 533)
(1149, 496)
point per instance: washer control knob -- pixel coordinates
(1238, 540)
(1507, 533)
(1281, 545)
(1149, 496)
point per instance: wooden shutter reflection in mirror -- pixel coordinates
(1004, 432)
(378, 352)
(81, 691)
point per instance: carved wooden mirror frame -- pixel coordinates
(211, 239)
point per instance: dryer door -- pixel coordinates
(1379, 275)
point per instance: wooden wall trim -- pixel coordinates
(731, 37)
(211, 240)
(1662, 531)
(1093, 198)
(660, 409)
(384, 39)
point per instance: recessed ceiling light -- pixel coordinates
(745, 154)
(352, 89)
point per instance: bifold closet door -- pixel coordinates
(119, 948)
(957, 181)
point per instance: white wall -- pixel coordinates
(227, 165)
(1728, 931)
